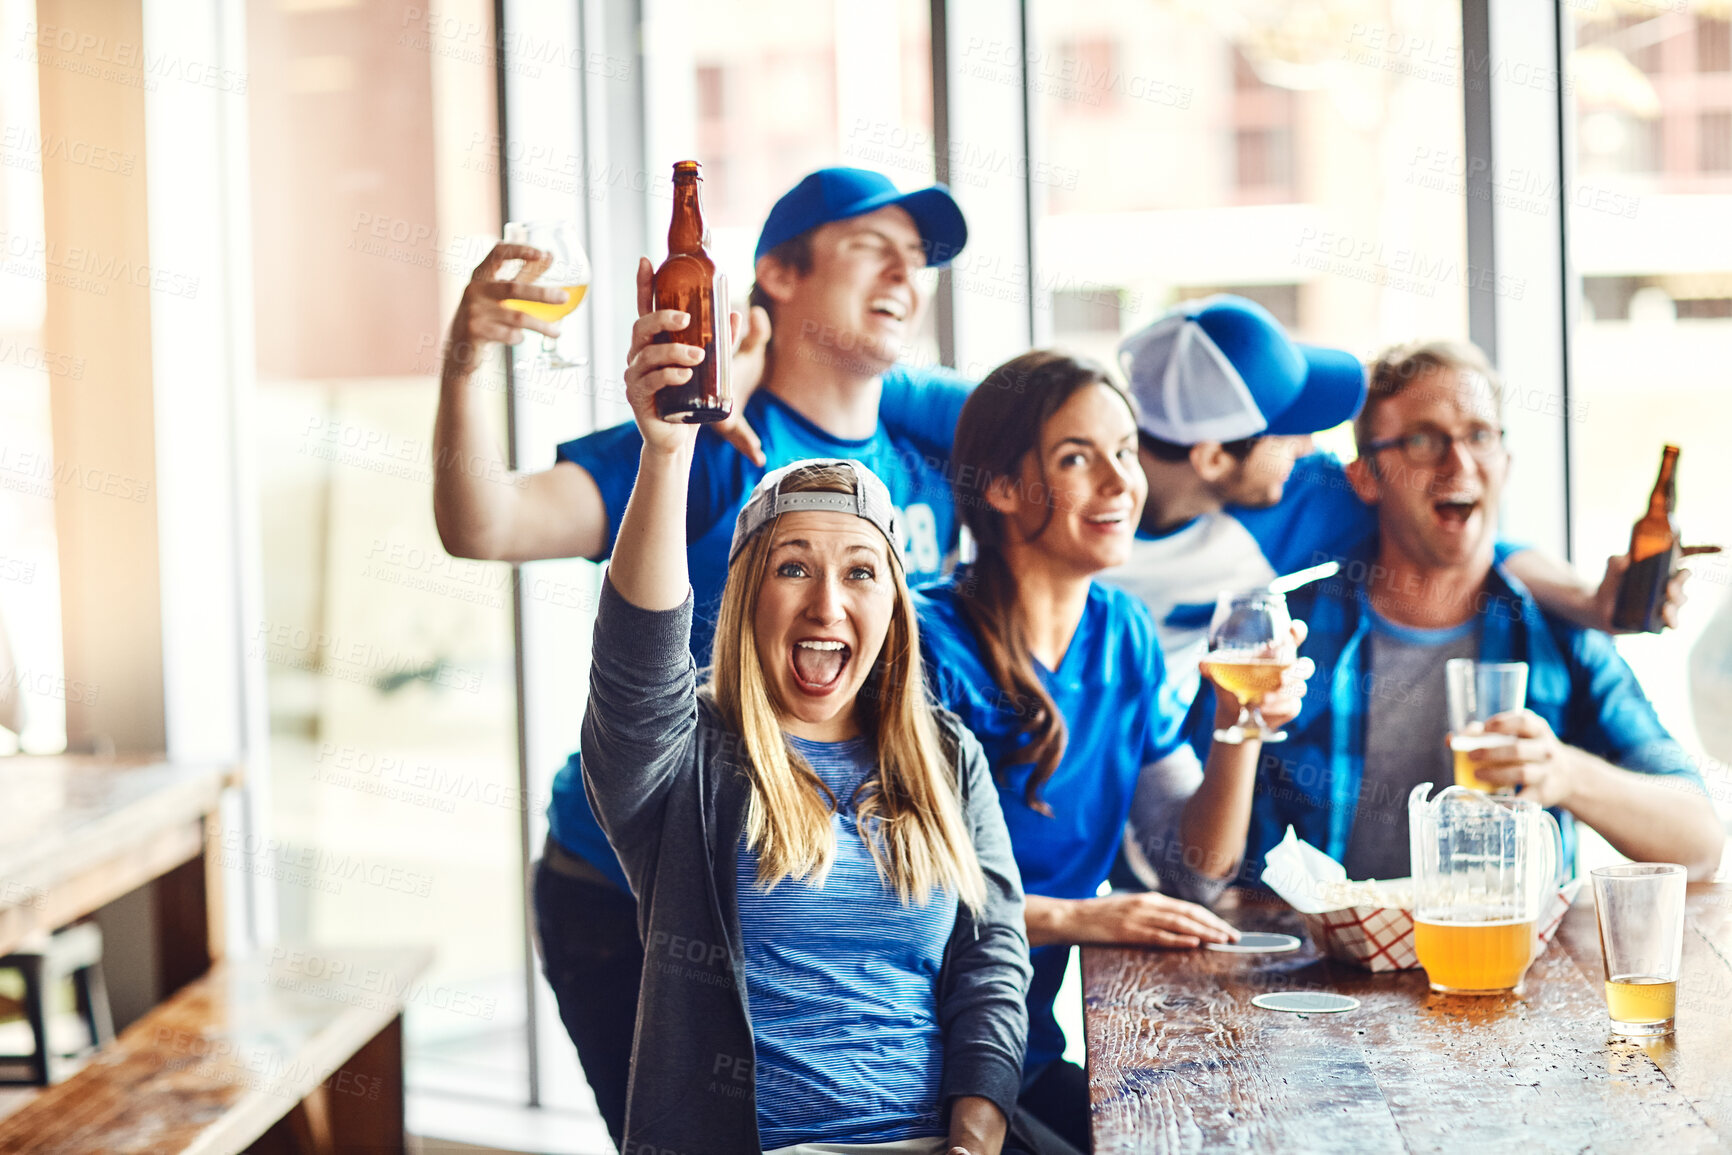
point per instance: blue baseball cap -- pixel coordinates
(835, 194)
(1222, 369)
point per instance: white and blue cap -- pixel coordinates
(870, 500)
(1222, 369)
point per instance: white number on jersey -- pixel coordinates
(920, 552)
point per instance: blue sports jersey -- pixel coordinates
(1110, 689)
(912, 462)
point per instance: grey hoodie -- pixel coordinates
(666, 780)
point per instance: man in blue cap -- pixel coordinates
(844, 270)
(1227, 403)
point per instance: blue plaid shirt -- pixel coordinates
(1577, 682)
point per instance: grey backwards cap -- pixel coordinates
(870, 500)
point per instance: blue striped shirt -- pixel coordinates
(842, 985)
(1577, 682)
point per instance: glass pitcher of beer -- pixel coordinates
(1482, 868)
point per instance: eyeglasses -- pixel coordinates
(1430, 446)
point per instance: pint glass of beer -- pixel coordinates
(1477, 692)
(1640, 906)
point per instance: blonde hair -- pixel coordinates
(910, 817)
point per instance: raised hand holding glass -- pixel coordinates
(1250, 650)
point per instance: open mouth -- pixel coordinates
(818, 664)
(1454, 513)
(888, 307)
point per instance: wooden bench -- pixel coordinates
(300, 1050)
(78, 832)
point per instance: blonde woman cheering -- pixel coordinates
(831, 916)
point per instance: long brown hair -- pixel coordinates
(909, 814)
(1000, 426)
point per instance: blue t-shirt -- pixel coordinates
(913, 463)
(842, 983)
(1110, 689)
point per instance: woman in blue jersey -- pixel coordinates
(832, 922)
(1062, 681)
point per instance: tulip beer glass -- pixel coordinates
(566, 266)
(1482, 869)
(1250, 650)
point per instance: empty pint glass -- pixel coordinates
(1641, 911)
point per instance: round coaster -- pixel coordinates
(1256, 942)
(1304, 1002)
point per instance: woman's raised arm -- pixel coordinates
(642, 699)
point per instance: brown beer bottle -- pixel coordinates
(689, 281)
(1653, 553)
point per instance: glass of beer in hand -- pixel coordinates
(1640, 907)
(566, 266)
(1250, 649)
(1478, 691)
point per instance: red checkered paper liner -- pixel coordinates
(1380, 938)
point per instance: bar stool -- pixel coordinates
(73, 952)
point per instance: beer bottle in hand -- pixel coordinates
(1653, 553)
(689, 281)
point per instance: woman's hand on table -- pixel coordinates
(1148, 919)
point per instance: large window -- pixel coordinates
(1649, 235)
(395, 796)
(1308, 157)
(764, 92)
(33, 688)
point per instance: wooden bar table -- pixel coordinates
(1180, 1061)
(78, 832)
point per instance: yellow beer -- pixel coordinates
(1476, 952)
(1462, 744)
(574, 295)
(1638, 999)
(1247, 678)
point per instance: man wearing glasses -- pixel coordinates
(1237, 496)
(1428, 586)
